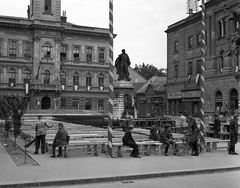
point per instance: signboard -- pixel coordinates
(191, 94)
(175, 95)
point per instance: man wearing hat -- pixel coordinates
(233, 134)
(128, 141)
(166, 138)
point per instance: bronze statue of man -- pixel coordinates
(122, 63)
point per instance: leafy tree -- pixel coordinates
(13, 106)
(148, 71)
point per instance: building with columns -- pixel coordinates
(56, 64)
(222, 87)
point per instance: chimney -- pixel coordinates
(63, 17)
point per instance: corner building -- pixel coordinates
(56, 64)
(221, 87)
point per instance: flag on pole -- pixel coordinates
(27, 88)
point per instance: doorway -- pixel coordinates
(46, 103)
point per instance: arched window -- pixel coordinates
(89, 54)
(220, 28)
(13, 49)
(47, 49)
(27, 75)
(46, 77)
(233, 100)
(75, 78)
(218, 101)
(221, 61)
(88, 79)
(63, 78)
(28, 50)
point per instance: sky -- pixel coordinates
(140, 25)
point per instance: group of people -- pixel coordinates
(164, 136)
(188, 125)
(60, 139)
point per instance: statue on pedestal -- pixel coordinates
(122, 63)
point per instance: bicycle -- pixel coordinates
(186, 146)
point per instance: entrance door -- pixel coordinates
(46, 103)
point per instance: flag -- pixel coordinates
(197, 78)
(88, 88)
(38, 72)
(27, 88)
(75, 87)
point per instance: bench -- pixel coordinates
(92, 147)
(212, 144)
(144, 147)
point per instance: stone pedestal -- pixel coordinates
(121, 88)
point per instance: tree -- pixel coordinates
(13, 106)
(148, 71)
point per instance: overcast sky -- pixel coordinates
(139, 24)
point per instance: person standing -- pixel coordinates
(233, 134)
(216, 126)
(183, 122)
(194, 134)
(40, 135)
(129, 141)
(122, 63)
(60, 139)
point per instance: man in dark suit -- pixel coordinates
(128, 141)
(60, 139)
(233, 134)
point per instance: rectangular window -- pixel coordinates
(76, 55)
(88, 104)
(28, 50)
(89, 54)
(176, 46)
(48, 6)
(190, 42)
(75, 80)
(100, 104)
(101, 55)
(199, 62)
(63, 103)
(199, 39)
(75, 104)
(190, 68)
(63, 52)
(13, 49)
(175, 71)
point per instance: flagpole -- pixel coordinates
(110, 118)
(202, 79)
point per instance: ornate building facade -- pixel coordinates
(56, 64)
(221, 88)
